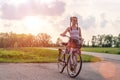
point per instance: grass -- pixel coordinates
(35, 55)
(103, 50)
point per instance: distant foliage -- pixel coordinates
(58, 42)
(24, 40)
(105, 41)
(44, 40)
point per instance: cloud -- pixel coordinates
(86, 23)
(10, 11)
(89, 22)
(117, 22)
(103, 20)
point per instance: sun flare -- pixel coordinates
(31, 21)
(35, 24)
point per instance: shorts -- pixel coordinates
(76, 42)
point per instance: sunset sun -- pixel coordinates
(34, 23)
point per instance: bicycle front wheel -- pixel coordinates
(61, 62)
(74, 65)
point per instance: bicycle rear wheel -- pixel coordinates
(61, 62)
(74, 65)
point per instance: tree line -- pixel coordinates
(24, 40)
(105, 41)
(44, 40)
(99, 41)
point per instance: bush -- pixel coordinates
(118, 53)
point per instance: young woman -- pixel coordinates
(75, 34)
(72, 48)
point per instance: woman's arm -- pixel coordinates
(64, 33)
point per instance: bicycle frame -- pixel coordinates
(71, 61)
(69, 54)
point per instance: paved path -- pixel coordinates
(48, 71)
(103, 55)
(108, 69)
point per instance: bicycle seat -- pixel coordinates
(64, 43)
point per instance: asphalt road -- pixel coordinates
(108, 69)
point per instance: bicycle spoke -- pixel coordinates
(74, 66)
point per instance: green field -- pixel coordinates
(35, 55)
(102, 50)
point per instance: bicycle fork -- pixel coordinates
(73, 58)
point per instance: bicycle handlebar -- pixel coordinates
(65, 35)
(69, 36)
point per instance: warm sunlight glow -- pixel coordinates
(35, 24)
(107, 69)
(46, 1)
(17, 2)
(32, 21)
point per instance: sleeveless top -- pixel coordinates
(74, 33)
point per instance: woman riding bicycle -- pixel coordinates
(74, 60)
(75, 34)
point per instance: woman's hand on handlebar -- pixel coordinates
(62, 35)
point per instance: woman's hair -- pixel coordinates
(71, 18)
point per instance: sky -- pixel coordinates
(52, 16)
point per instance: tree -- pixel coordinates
(4, 40)
(29, 40)
(94, 41)
(103, 40)
(44, 39)
(108, 41)
(116, 41)
(58, 42)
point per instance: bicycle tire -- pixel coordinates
(61, 63)
(80, 66)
